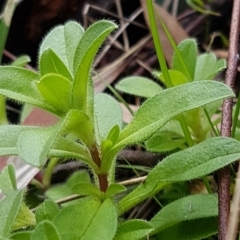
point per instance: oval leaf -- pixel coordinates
(92, 218)
(56, 91)
(63, 40)
(51, 63)
(133, 230)
(46, 211)
(45, 230)
(138, 86)
(108, 114)
(85, 188)
(188, 56)
(113, 189)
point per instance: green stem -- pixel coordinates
(216, 132)
(186, 131)
(48, 172)
(5, 24)
(207, 185)
(157, 44)
(235, 118)
(3, 114)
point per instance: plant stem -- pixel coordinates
(48, 172)
(157, 43)
(186, 131)
(102, 177)
(5, 24)
(210, 122)
(226, 124)
(3, 114)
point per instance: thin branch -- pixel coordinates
(226, 124)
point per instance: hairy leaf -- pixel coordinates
(9, 208)
(85, 52)
(21, 61)
(208, 66)
(46, 211)
(185, 209)
(177, 78)
(191, 230)
(138, 86)
(8, 179)
(19, 84)
(188, 164)
(62, 42)
(188, 52)
(149, 118)
(45, 231)
(93, 217)
(113, 189)
(56, 90)
(108, 114)
(51, 63)
(133, 230)
(85, 188)
(25, 218)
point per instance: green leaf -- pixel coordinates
(92, 218)
(45, 231)
(61, 41)
(163, 142)
(10, 134)
(185, 165)
(42, 140)
(46, 211)
(106, 216)
(177, 78)
(22, 236)
(114, 189)
(56, 90)
(21, 61)
(85, 52)
(85, 188)
(191, 230)
(133, 230)
(188, 52)
(208, 66)
(58, 192)
(138, 86)
(149, 119)
(25, 218)
(19, 84)
(34, 145)
(70, 149)
(9, 208)
(185, 209)
(8, 179)
(79, 124)
(77, 177)
(51, 63)
(108, 114)
(114, 133)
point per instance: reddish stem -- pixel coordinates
(223, 174)
(102, 178)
